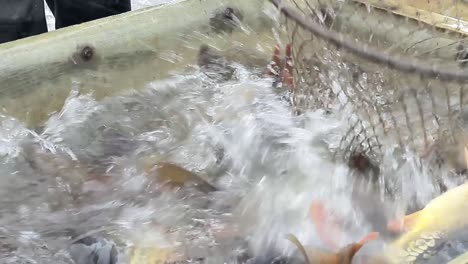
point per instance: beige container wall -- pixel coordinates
(119, 53)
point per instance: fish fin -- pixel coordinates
(288, 78)
(368, 238)
(288, 53)
(403, 225)
(317, 256)
(466, 157)
(325, 225)
(299, 246)
(203, 184)
(274, 67)
(277, 56)
(346, 255)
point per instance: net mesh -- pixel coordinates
(395, 69)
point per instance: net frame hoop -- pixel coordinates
(369, 53)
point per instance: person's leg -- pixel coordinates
(72, 12)
(21, 18)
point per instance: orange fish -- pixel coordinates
(283, 71)
(329, 232)
(325, 225)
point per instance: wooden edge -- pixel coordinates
(430, 18)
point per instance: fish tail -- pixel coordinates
(299, 246)
(401, 225)
(325, 225)
(288, 78)
(395, 226)
(274, 67)
(369, 237)
(366, 239)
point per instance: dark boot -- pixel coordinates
(72, 12)
(21, 18)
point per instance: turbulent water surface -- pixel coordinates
(83, 172)
(239, 135)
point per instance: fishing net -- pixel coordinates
(396, 69)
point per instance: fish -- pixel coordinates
(214, 64)
(282, 68)
(342, 256)
(329, 233)
(423, 231)
(59, 169)
(176, 176)
(93, 250)
(149, 255)
(325, 225)
(220, 63)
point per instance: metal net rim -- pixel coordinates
(369, 53)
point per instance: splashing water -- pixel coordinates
(239, 135)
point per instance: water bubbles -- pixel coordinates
(26, 237)
(238, 135)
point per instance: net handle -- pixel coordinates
(365, 51)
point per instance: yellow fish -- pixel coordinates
(425, 229)
(144, 255)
